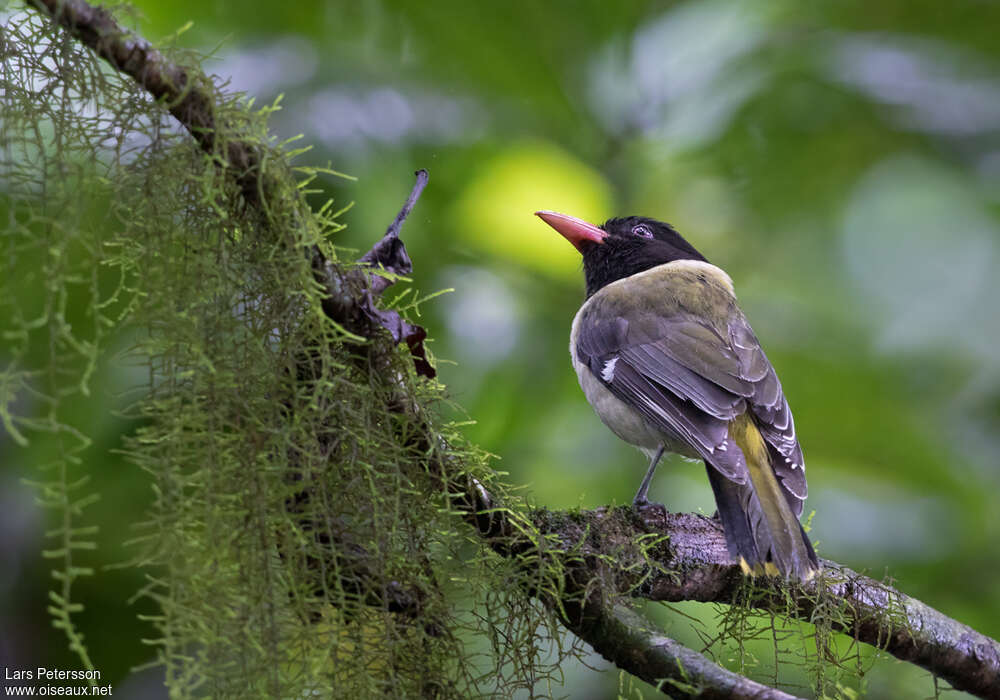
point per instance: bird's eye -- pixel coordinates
(642, 230)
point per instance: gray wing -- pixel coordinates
(690, 377)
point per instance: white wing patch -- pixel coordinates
(608, 373)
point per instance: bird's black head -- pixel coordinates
(621, 247)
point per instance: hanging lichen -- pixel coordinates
(291, 547)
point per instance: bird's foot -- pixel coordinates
(651, 513)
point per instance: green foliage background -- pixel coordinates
(841, 161)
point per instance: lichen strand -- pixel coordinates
(292, 548)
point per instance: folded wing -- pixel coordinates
(690, 375)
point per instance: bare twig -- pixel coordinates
(390, 253)
(352, 294)
(397, 223)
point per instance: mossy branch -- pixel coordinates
(601, 562)
(693, 564)
(189, 95)
(628, 640)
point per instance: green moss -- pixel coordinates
(291, 548)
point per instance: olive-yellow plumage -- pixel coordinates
(670, 364)
(782, 525)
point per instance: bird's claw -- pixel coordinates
(650, 512)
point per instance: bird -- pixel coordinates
(669, 362)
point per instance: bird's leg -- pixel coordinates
(640, 495)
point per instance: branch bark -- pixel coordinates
(629, 641)
(693, 563)
(690, 561)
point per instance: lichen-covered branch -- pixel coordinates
(692, 563)
(190, 97)
(605, 556)
(628, 640)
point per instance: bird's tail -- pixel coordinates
(760, 525)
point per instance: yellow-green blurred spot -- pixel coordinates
(496, 212)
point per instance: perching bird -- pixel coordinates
(669, 363)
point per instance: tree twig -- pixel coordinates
(390, 253)
(404, 212)
(628, 640)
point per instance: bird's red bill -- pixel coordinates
(576, 231)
